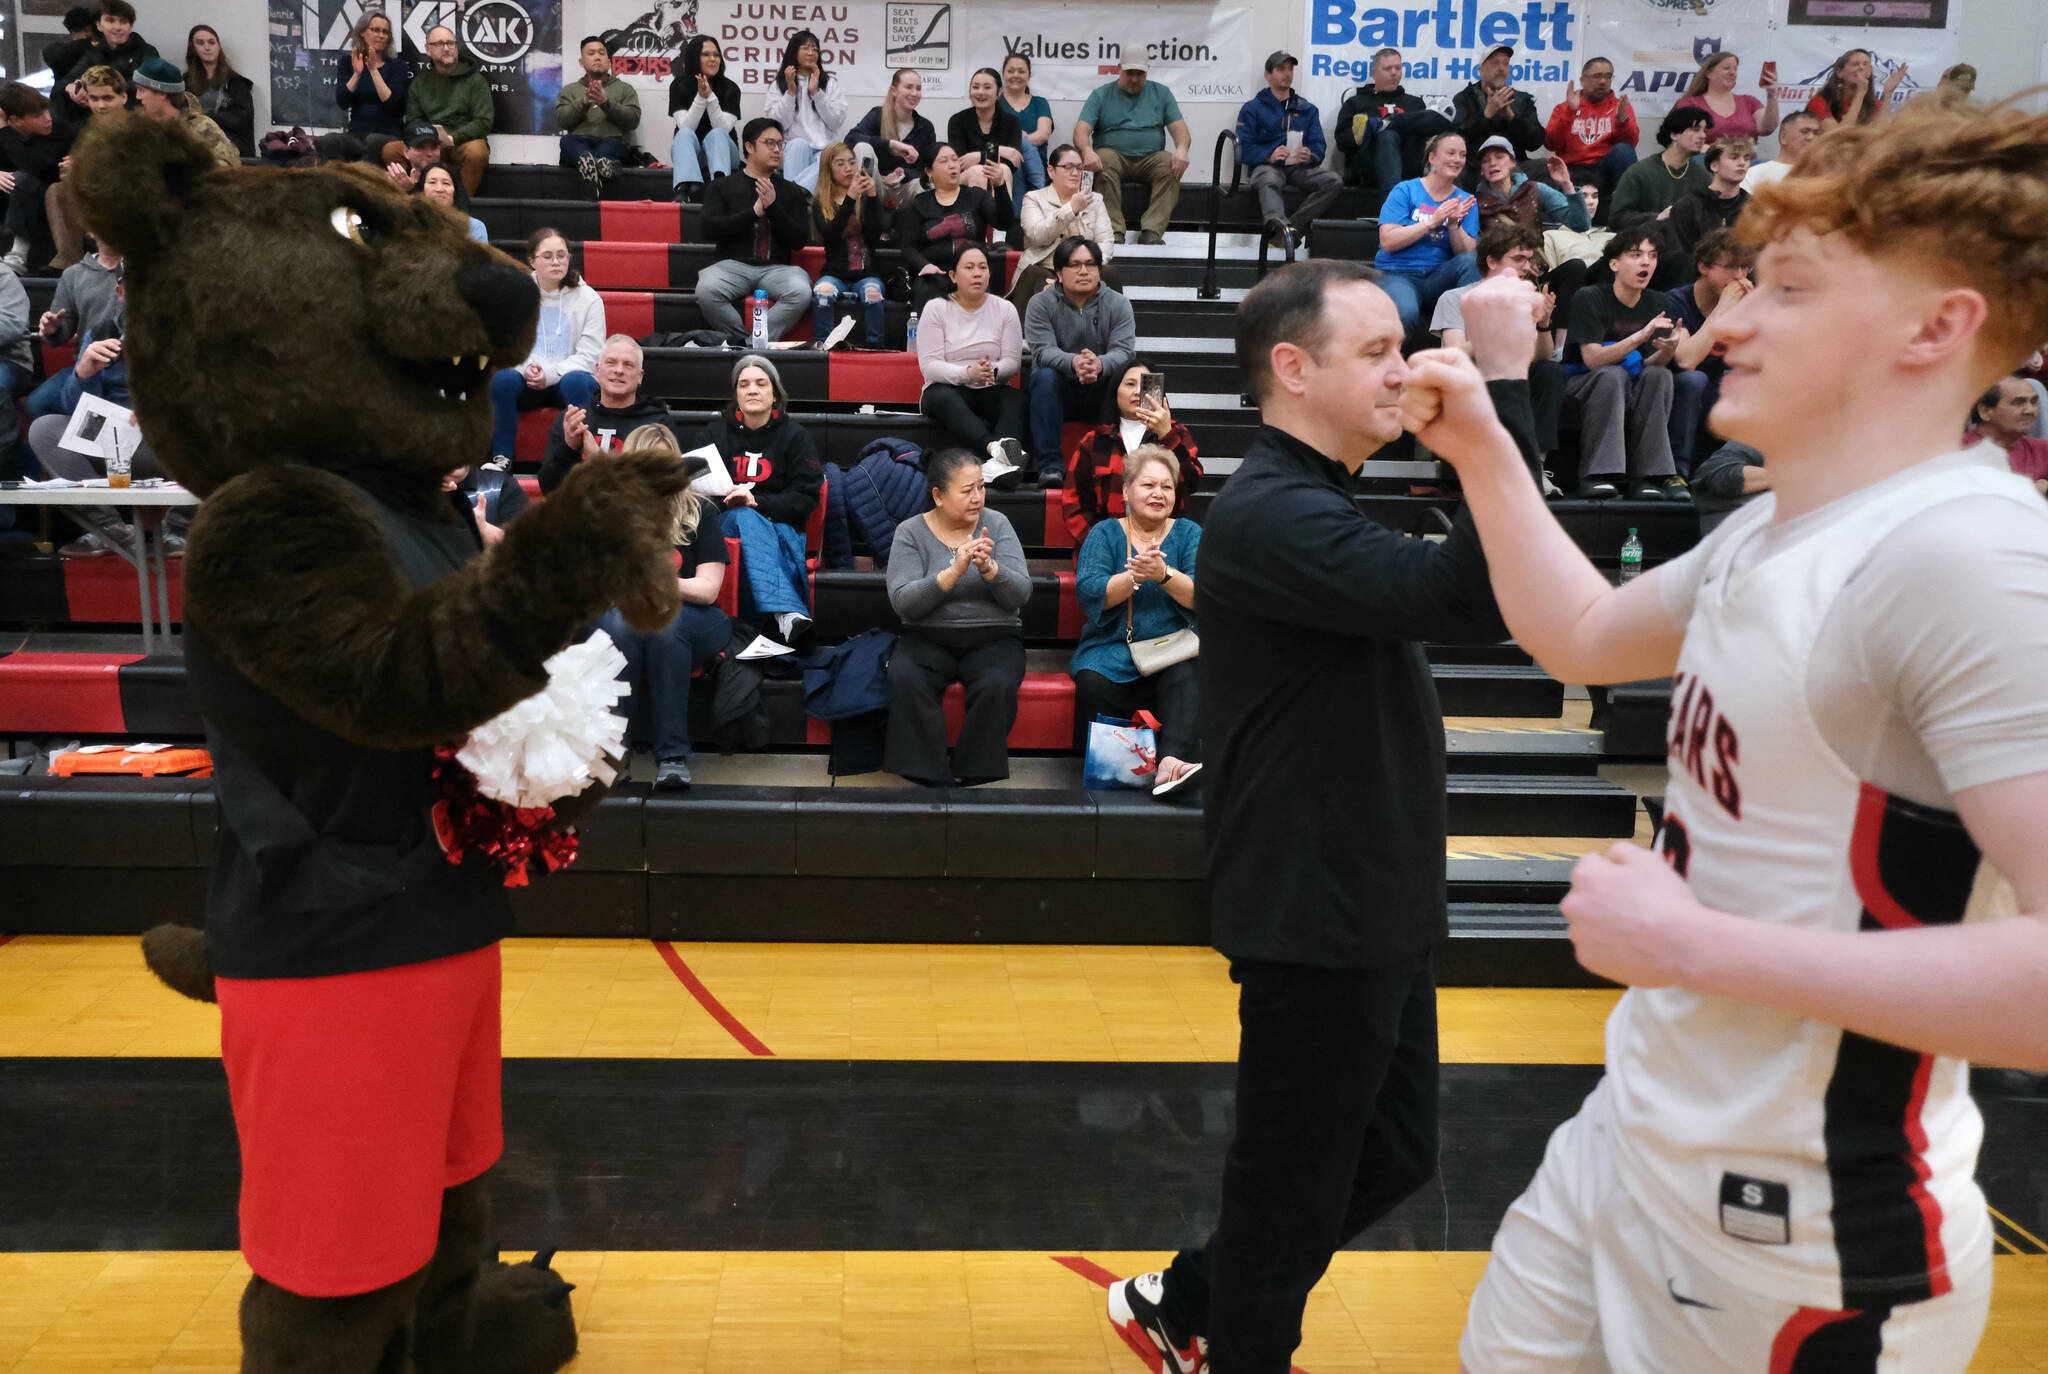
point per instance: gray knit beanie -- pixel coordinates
(774, 377)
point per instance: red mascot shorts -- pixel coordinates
(358, 1099)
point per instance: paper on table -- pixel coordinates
(764, 647)
(717, 481)
(95, 425)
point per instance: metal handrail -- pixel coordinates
(1209, 290)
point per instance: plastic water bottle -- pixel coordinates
(1631, 558)
(910, 333)
(760, 330)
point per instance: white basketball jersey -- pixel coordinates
(1796, 1158)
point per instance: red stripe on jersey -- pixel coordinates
(1882, 907)
(1930, 1210)
(1796, 1332)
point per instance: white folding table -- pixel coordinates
(151, 586)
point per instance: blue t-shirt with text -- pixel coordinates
(1410, 203)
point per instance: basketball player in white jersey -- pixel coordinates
(1850, 898)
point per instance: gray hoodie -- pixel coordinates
(1054, 330)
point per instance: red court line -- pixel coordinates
(711, 1004)
(1102, 1278)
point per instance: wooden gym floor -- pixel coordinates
(887, 1158)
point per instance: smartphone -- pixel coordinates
(1087, 181)
(1153, 386)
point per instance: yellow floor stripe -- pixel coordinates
(2024, 1233)
(934, 1312)
(579, 998)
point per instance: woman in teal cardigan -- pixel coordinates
(1135, 579)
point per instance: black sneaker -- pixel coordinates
(1675, 489)
(1134, 1312)
(1648, 491)
(1052, 479)
(671, 775)
(1599, 491)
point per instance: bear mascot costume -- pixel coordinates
(310, 352)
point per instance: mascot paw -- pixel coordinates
(627, 503)
(177, 955)
(516, 1321)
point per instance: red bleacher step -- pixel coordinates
(1045, 714)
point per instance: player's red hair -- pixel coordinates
(1962, 193)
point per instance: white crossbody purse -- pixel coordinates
(1150, 656)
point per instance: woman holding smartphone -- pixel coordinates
(1137, 415)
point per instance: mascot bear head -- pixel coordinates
(316, 317)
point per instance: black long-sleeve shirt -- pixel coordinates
(1324, 791)
(1519, 125)
(737, 232)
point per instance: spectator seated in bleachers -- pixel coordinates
(571, 335)
(62, 54)
(225, 96)
(850, 218)
(115, 44)
(1509, 249)
(454, 96)
(371, 81)
(1264, 124)
(1382, 129)
(1712, 89)
(1795, 135)
(1504, 193)
(661, 664)
(1081, 335)
(101, 370)
(496, 499)
(969, 347)
(17, 332)
(900, 138)
(1132, 128)
(596, 115)
(2003, 417)
(1654, 185)
(32, 148)
(1135, 580)
(775, 466)
(1034, 117)
(1097, 474)
(941, 221)
(1053, 213)
(160, 94)
(87, 302)
(105, 91)
(957, 580)
(1428, 229)
(439, 184)
(705, 104)
(1723, 263)
(1619, 345)
(1726, 480)
(1491, 105)
(1699, 213)
(617, 411)
(755, 219)
(1593, 129)
(810, 104)
(421, 149)
(989, 140)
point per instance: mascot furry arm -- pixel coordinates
(297, 340)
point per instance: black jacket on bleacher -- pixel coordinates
(1324, 790)
(729, 219)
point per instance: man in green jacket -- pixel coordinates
(596, 114)
(455, 97)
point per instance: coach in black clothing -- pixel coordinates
(1325, 807)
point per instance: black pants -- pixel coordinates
(975, 414)
(1336, 1123)
(1173, 694)
(989, 666)
(27, 219)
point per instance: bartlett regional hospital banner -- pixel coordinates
(1203, 52)
(1655, 45)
